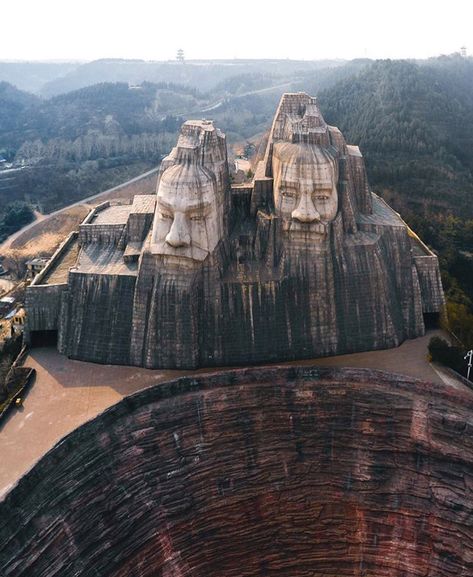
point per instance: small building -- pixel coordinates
(35, 266)
(18, 318)
(6, 305)
(242, 164)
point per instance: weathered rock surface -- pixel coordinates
(279, 471)
(306, 262)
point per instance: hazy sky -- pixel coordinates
(305, 29)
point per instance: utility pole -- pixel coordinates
(469, 356)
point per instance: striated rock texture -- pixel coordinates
(305, 262)
(280, 471)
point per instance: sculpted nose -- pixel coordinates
(179, 233)
(305, 211)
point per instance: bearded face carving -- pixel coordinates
(305, 188)
(188, 220)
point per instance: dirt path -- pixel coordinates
(40, 219)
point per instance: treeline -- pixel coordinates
(414, 124)
(16, 216)
(96, 146)
(83, 142)
(53, 186)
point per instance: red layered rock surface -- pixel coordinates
(282, 471)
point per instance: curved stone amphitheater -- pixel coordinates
(294, 471)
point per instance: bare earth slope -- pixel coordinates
(45, 234)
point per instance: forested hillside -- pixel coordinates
(73, 145)
(413, 121)
(414, 124)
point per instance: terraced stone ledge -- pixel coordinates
(295, 471)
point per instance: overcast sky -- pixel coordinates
(304, 29)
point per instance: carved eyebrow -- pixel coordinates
(194, 207)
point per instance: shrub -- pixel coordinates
(442, 352)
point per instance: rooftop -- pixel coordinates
(143, 203)
(59, 270)
(383, 214)
(104, 259)
(354, 150)
(113, 215)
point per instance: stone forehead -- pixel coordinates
(306, 154)
(188, 178)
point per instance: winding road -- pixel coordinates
(40, 218)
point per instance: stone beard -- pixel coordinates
(189, 217)
(305, 188)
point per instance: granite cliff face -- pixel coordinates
(278, 471)
(304, 262)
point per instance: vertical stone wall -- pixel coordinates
(96, 313)
(433, 298)
(43, 301)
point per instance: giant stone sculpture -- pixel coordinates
(188, 222)
(306, 261)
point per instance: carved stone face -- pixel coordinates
(305, 188)
(188, 219)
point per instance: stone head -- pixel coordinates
(305, 188)
(189, 213)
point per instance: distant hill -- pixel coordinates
(13, 104)
(32, 76)
(76, 143)
(414, 123)
(79, 143)
(204, 75)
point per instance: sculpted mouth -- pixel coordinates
(303, 228)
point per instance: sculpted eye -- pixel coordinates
(165, 216)
(197, 217)
(288, 194)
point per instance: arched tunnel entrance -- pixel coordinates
(432, 320)
(43, 338)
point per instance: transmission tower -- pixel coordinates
(180, 55)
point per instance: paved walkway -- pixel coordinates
(67, 393)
